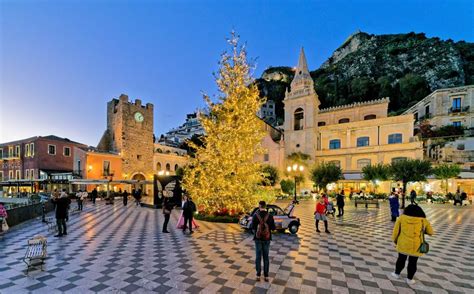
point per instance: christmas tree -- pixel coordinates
(223, 176)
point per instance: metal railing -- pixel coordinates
(458, 109)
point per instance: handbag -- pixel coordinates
(5, 226)
(424, 246)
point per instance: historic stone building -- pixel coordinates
(351, 136)
(130, 134)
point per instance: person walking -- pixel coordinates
(457, 198)
(3, 218)
(94, 195)
(125, 197)
(62, 203)
(188, 211)
(413, 196)
(320, 215)
(167, 208)
(340, 203)
(84, 196)
(262, 225)
(79, 200)
(408, 235)
(394, 205)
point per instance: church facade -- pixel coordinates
(350, 136)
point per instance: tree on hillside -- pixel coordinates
(376, 172)
(410, 170)
(325, 173)
(223, 176)
(445, 172)
(413, 88)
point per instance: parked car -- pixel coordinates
(284, 219)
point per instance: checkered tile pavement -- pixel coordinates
(122, 250)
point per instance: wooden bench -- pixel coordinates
(36, 250)
(367, 202)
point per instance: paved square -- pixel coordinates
(121, 250)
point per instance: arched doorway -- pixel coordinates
(140, 185)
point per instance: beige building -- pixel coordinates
(351, 136)
(167, 159)
(451, 106)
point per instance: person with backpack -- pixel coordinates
(409, 236)
(188, 211)
(262, 225)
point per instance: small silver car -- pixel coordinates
(284, 219)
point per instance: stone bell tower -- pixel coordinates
(301, 108)
(130, 133)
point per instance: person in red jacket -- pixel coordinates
(320, 214)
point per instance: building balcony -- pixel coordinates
(108, 173)
(459, 109)
(413, 144)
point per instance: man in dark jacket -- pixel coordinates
(188, 211)
(167, 208)
(94, 195)
(262, 222)
(62, 203)
(413, 197)
(340, 203)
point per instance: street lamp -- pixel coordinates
(294, 169)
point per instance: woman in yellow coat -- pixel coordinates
(407, 235)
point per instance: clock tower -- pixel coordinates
(130, 133)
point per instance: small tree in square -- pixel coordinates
(223, 176)
(410, 170)
(325, 173)
(445, 172)
(376, 172)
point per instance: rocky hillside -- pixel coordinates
(404, 67)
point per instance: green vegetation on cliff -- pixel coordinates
(404, 67)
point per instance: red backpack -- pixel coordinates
(263, 230)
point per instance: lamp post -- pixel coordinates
(294, 169)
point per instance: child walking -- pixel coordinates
(320, 215)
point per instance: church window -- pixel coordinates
(176, 167)
(362, 163)
(266, 157)
(395, 138)
(321, 123)
(344, 120)
(397, 159)
(362, 141)
(335, 162)
(168, 167)
(370, 116)
(158, 166)
(299, 115)
(335, 144)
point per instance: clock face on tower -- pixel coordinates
(139, 117)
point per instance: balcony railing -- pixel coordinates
(109, 173)
(459, 109)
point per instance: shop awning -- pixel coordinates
(352, 176)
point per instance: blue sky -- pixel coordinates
(61, 61)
